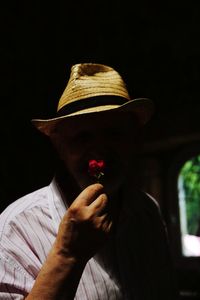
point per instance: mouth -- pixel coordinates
(96, 169)
(100, 169)
(113, 171)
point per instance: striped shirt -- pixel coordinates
(123, 268)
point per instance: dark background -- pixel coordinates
(154, 45)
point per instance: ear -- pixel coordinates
(56, 141)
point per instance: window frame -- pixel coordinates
(174, 228)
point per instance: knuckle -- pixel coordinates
(88, 216)
(96, 187)
(103, 225)
(80, 214)
(104, 198)
(73, 211)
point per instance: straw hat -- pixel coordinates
(95, 88)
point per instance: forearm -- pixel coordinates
(82, 231)
(58, 279)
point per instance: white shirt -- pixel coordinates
(28, 228)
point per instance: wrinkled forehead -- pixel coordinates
(97, 121)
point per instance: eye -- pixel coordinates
(82, 138)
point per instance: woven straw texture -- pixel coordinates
(88, 81)
(91, 80)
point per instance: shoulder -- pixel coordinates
(150, 202)
(18, 240)
(145, 210)
(140, 201)
(151, 208)
(26, 232)
(23, 205)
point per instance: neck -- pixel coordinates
(67, 185)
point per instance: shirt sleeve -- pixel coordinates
(14, 283)
(19, 265)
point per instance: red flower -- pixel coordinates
(96, 168)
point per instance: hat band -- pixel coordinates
(89, 103)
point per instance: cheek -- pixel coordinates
(128, 153)
(65, 153)
(71, 161)
(74, 162)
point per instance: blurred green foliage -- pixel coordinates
(190, 174)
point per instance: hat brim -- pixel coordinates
(143, 108)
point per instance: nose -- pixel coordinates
(101, 140)
(101, 148)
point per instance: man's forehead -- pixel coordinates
(96, 121)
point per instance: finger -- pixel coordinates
(99, 204)
(104, 223)
(88, 195)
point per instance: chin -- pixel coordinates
(111, 185)
(113, 188)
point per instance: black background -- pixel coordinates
(155, 46)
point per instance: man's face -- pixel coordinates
(103, 136)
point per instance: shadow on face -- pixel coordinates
(109, 136)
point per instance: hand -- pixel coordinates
(86, 226)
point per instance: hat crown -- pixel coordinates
(88, 80)
(89, 69)
(95, 88)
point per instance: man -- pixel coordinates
(90, 234)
